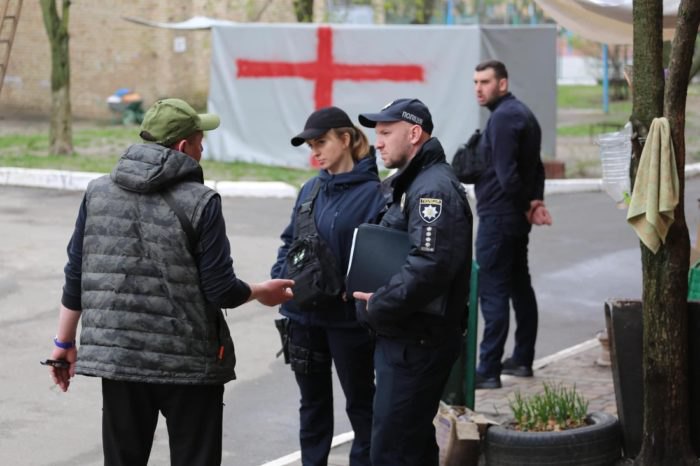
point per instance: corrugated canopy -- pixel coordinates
(604, 21)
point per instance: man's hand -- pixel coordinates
(67, 326)
(272, 292)
(362, 296)
(538, 213)
(61, 376)
(541, 216)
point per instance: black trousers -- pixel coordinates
(410, 381)
(504, 277)
(351, 351)
(193, 414)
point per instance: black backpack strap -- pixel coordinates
(184, 221)
(304, 223)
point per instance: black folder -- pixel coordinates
(377, 254)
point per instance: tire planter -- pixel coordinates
(596, 444)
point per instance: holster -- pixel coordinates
(283, 329)
(306, 361)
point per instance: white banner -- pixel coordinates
(267, 78)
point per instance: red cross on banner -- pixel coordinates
(324, 70)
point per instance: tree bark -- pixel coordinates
(648, 95)
(695, 68)
(666, 436)
(304, 10)
(425, 12)
(60, 131)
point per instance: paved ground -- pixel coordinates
(576, 366)
(586, 257)
(589, 255)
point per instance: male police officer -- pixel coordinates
(419, 315)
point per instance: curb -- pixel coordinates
(78, 181)
(286, 460)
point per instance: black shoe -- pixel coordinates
(509, 367)
(486, 382)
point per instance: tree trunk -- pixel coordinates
(425, 14)
(60, 132)
(695, 68)
(304, 10)
(666, 436)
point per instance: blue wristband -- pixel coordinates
(63, 344)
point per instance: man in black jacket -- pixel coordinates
(149, 269)
(420, 314)
(509, 197)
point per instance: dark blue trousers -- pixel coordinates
(351, 350)
(504, 277)
(410, 381)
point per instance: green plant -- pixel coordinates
(557, 408)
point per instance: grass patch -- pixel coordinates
(75, 162)
(107, 134)
(244, 171)
(584, 97)
(32, 142)
(101, 140)
(97, 149)
(590, 129)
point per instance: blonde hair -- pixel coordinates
(359, 144)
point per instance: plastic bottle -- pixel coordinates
(615, 156)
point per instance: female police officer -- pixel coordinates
(345, 193)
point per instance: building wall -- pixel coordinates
(108, 52)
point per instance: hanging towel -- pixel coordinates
(655, 194)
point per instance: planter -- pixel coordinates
(554, 169)
(624, 324)
(596, 444)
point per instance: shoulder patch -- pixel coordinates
(429, 209)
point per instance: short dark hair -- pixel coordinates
(499, 69)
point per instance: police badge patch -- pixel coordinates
(429, 209)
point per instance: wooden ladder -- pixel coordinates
(8, 27)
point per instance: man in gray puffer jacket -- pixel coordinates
(149, 270)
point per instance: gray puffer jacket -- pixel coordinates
(145, 318)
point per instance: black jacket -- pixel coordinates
(344, 201)
(515, 176)
(428, 298)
